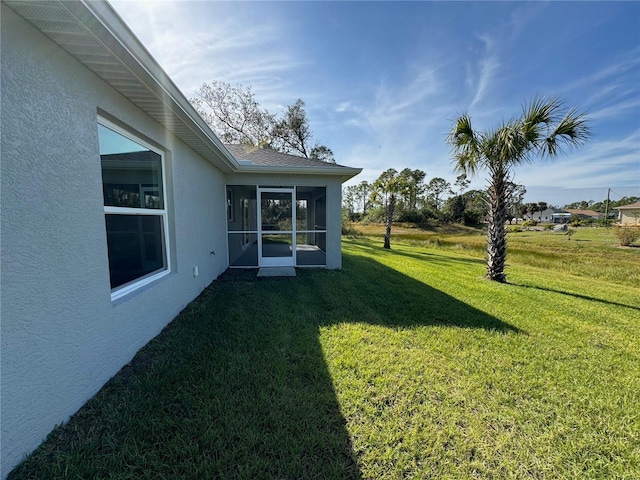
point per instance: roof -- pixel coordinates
(631, 206)
(93, 33)
(588, 213)
(271, 158)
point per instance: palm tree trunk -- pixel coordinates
(497, 233)
(391, 206)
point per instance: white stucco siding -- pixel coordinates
(62, 336)
(334, 203)
(629, 217)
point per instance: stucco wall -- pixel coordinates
(630, 217)
(334, 204)
(62, 336)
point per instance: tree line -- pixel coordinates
(602, 205)
(420, 201)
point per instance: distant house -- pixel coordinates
(585, 213)
(119, 206)
(629, 214)
(543, 216)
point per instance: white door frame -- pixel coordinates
(277, 261)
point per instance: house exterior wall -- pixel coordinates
(544, 216)
(62, 335)
(334, 203)
(629, 217)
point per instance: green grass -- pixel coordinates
(405, 364)
(590, 252)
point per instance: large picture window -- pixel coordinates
(135, 209)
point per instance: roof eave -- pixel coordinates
(166, 104)
(152, 74)
(345, 173)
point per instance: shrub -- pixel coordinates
(472, 218)
(529, 223)
(350, 230)
(410, 216)
(627, 235)
(375, 215)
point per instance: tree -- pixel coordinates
(322, 153)
(349, 200)
(236, 117)
(292, 134)
(515, 196)
(363, 192)
(455, 208)
(462, 182)
(234, 114)
(414, 180)
(529, 209)
(388, 186)
(543, 129)
(476, 206)
(436, 188)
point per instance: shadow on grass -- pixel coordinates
(577, 295)
(237, 385)
(420, 255)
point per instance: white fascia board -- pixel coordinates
(108, 28)
(344, 172)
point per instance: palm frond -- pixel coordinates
(571, 131)
(542, 111)
(466, 145)
(537, 117)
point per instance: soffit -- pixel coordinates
(94, 34)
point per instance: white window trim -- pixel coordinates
(121, 291)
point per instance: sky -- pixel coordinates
(383, 82)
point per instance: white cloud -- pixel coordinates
(206, 40)
(343, 107)
(488, 67)
(597, 164)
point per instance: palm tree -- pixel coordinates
(542, 130)
(390, 184)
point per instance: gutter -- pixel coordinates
(345, 172)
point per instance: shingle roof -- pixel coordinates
(631, 206)
(261, 156)
(588, 213)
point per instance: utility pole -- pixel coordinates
(606, 209)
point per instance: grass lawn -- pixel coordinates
(405, 364)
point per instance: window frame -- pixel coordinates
(126, 288)
(313, 231)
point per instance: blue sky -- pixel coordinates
(383, 81)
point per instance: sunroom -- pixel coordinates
(284, 210)
(277, 226)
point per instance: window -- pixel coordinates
(243, 226)
(311, 226)
(135, 209)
